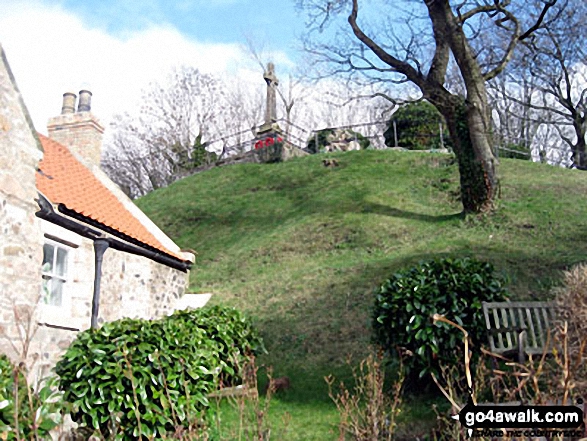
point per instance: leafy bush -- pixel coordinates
(140, 377)
(417, 127)
(236, 338)
(22, 411)
(405, 303)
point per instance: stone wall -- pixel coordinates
(132, 286)
(144, 288)
(291, 151)
(20, 234)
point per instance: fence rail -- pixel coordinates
(299, 137)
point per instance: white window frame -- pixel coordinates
(57, 314)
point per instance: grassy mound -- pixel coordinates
(300, 247)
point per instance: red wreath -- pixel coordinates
(267, 142)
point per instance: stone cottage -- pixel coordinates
(74, 249)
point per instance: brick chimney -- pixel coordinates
(79, 130)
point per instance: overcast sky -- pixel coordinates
(116, 47)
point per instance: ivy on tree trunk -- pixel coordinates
(477, 165)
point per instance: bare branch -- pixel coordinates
(549, 4)
(478, 10)
(399, 66)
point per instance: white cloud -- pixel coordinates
(52, 51)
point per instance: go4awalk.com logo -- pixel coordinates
(531, 418)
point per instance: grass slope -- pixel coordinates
(301, 247)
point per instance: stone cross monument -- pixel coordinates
(269, 143)
(271, 105)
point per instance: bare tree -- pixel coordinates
(239, 115)
(515, 123)
(167, 137)
(192, 120)
(417, 49)
(555, 62)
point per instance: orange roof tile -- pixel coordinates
(65, 180)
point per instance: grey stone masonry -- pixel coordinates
(20, 233)
(271, 104)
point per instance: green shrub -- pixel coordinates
(417, 126)
(454, 288)
(322, 140)
(35, 414)
(236, 338)
(140, 377)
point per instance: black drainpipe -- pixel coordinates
(100, 247)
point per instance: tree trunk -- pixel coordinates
(468, 119)
(467, 124)
(579, 157)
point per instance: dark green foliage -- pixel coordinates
(195, 156)
(406, 302)
(156, 372)
(35, 414)
(322, 137)
(233, 333)
(417, 127)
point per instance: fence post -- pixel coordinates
(395, 133)
(441, 136)
(316, 142)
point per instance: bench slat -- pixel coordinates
(521, 323)
(513, 324)
(508, 335)
(499, 337)
(511, 318)
(540, 327)
(545, 313)
(535, 337)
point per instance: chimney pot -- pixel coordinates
(68, 103)
(85, 101)
(79, 131)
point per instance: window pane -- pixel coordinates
(46, 289)
(47, 258)
(61, 264)
(56, 292)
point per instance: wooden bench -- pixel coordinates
(518, 328)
